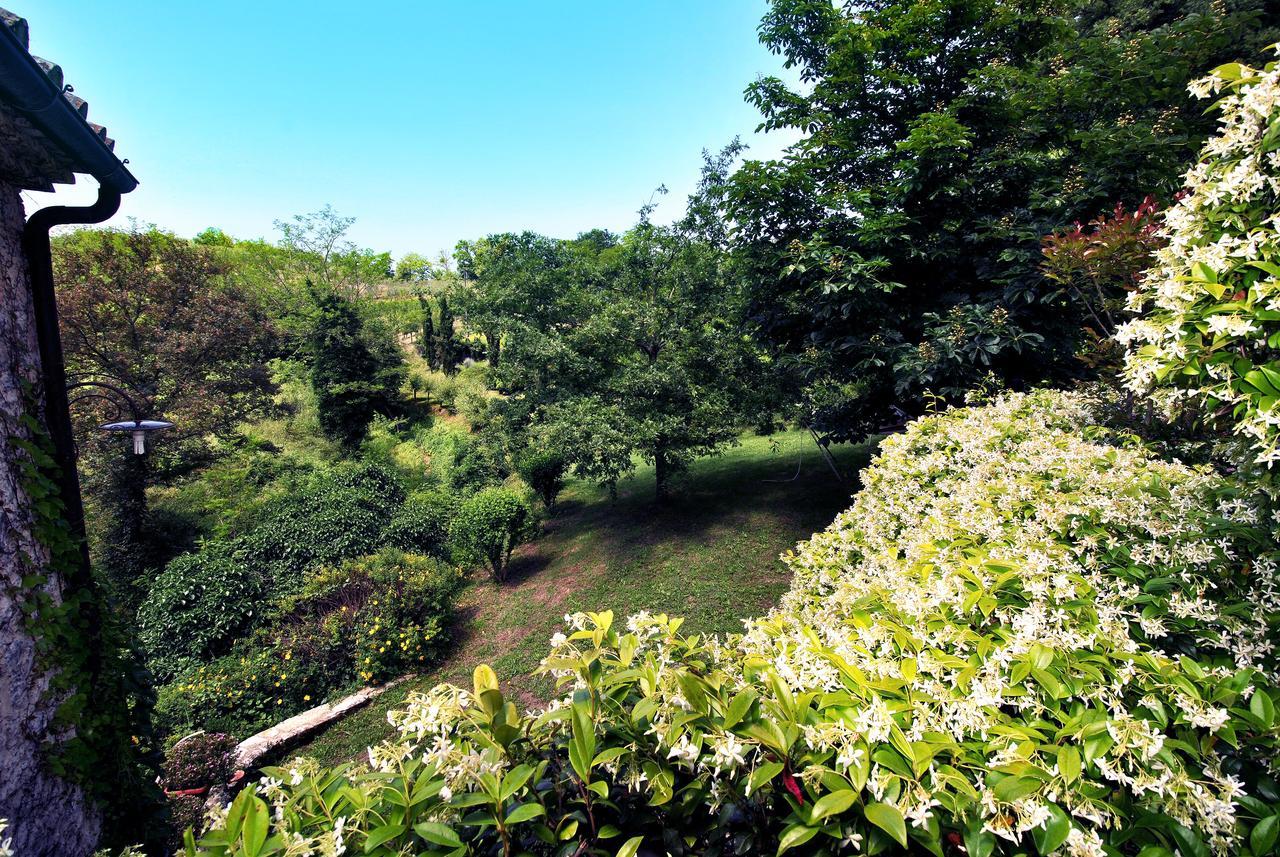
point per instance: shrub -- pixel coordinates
(544, 470)
(489, 525)
(256, 686)
(199, 760)
(391, 608)
(422, 524)
(364, 620)
(196, 608)
(1016, 641)
(329, 517)
(1212, 327)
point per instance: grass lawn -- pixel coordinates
(710, 555)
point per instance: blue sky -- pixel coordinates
(428, 121)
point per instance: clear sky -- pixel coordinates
(428, 121)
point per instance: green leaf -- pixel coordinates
(833, 804)
(630, 847)
(762, 775)
(1050, 837)
(1011, 789)
(524, 812)
(738, 708)
(1069, 764)
(888, 819)
(513, 781)
(256, 824)
(483, 678)
(438, 834)
(1189, 842)
(1263, 837)
(382, 834)
(979, 842)
(1261, 706)
(796, 834)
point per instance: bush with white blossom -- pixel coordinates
(1210, 330)
(1026, 636)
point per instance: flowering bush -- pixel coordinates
(1017, 640)
(1212, 326)
(364, 620)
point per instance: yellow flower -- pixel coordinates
(279, 701)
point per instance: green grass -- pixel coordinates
(710, 555)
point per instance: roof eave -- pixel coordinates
(30, 91)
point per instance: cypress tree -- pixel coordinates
(427, 346)
(445, 349)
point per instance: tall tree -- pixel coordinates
(638, 351)
(895, 248)
(444, 344)
(154, 317)
(427, 343)
(357, 370)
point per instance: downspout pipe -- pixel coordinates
(57, 409)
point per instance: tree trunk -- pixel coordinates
(47, 815)
(493, 341)
(661, 473)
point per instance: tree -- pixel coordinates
(320, 252)
(357, 370)
(943, 138)
(510, 280)
(544, 470)
(427, 344)
(444, 345)
(638, 349)
(154, 316)
(415, 268)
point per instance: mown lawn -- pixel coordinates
(710, 555)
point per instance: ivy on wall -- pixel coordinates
(100, 737)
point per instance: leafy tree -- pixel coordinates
(318, 248)
(357, 370)
(415, 268)
(1101, 265)
(154, 317)
(509, 280)
(943, 138)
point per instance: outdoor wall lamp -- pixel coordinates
(138, 426)
(140, 429)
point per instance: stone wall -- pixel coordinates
(47, 816)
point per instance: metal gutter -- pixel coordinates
(25, 87)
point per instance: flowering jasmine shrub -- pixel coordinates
(1021, 639)
(1211, 330)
